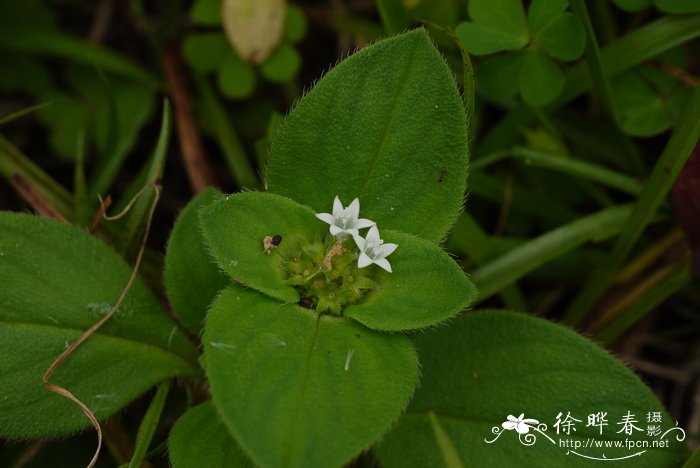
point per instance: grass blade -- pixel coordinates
(674, 281)
(149, 425)
(684, 138)
(503, 271)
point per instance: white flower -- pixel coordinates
(345, 220)
(521, 425)
(374, 250)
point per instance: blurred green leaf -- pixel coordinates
(295, 24)
(542, 13)
(282, 66)
(496, 26)
(678, 6)
(31, 14)
(206, 12)
(649, 106)
(236, 78)
(200, 439)
(63, 46)
(205, 52)
(632, 5)
(563, 38)
(508, 268)
(499, 77)
(541, 80)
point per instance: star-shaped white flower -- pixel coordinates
(374, 250)
(520, 424)
(345, 221)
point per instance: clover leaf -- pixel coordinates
(529, 44)
(301, 368)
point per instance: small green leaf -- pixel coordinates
(504, 16)
(67, 118)
(490, 364)
(192, 277)
(205, 52)
(57, 282)
(200, 438)
(383, 125)
(425, 288)
(563, 38)
(236, 226)
(649, 101)
(206, 12)
(282, 66)
(236, 78)
(632, 5)
(294, 24)
(480, 40)
(543, 12)
(300, 389)
(499, 77)
(541, 80)
(678, 7)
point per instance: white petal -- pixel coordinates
(532, 422)
(335, 230)
(364, 223)
(360, 241)
(509, 425)
(337, 206)
(325, 217)
(363, 260)
(354, 208)
(351, 232)
(512, 418)
(384, 263)
(388, 249)
(522, 428)
(373, 233)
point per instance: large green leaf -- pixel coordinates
(236, 226)
(384, 125)
(300, 389)
(488, 365)
(57, 282)
(199, 438)
(192, 276)
(425, 288)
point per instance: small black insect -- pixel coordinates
(443, 174)
(276, 240)
(306, 302)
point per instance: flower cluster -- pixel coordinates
(346, 222)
